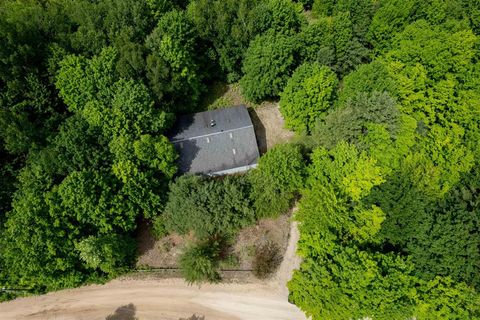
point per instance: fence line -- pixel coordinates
(179, 269)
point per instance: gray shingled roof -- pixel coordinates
(227, 147)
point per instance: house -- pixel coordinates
(215, 142)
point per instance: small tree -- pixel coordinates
(199, 262)
(308, 95)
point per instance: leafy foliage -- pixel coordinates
(308, 95)
(199, 263)
(228, 26)
(401, 205)
(172, 65)
(339, 244)
(337, 37)
(86, 188)
(159, 229)
(107, 253)
(351, 121)
(269, 62)
(279, 176)
(209, 208)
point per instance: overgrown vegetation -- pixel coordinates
(389, 215)
(199, 262)
(385, 96)
(267, 259)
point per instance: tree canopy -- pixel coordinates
(384, 99)
(308, 95)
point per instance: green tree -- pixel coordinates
(208, 207)
(157, 153)
(350, 122)
(172, 66)
(442, 298)
(279, 16)
(339, 278)
(104, 23)
(367, 78)
(317, 42)
(344, 273)
(349, 51)
(92, 198)
(227, 26)
(279, 176)
(36, 248)
(308, 95)
(269, 62)
(361, 12)
(393, 16)
(439, 235)
(449, 51)
(110, 253)
(333, 41)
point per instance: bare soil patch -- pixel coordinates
(269, 127)
(164, 252)
(158, 253)
(266, 230)
(266, 116)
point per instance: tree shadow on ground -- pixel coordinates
(215, 91)
(194, 317)
(126, 312)
(260, 131)
(144, 236)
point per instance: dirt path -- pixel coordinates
(290, 262)
(168, 299)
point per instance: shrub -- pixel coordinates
(199, 262)
(267, 259)
(158, 228)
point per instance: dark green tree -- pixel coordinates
(227, 26)
(172, 64)
(317, 42)
(269, 63)
(350, 122)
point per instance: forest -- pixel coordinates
(384, 98)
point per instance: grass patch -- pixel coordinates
(221, 95)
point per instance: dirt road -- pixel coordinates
(168, 299)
